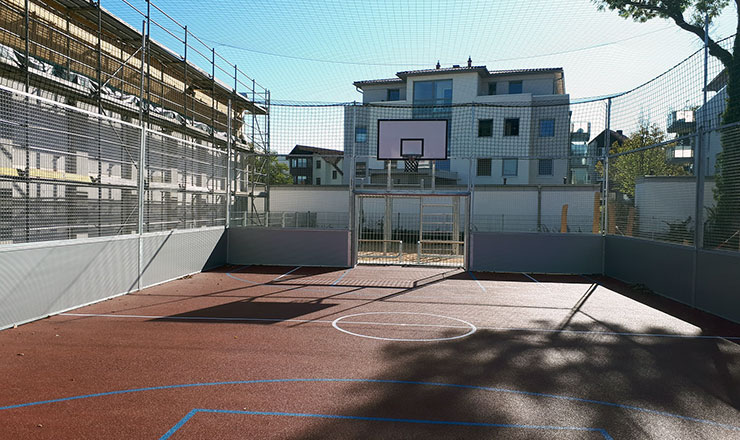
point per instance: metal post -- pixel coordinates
(605, 195)
(699, 169)
(466, 238)
(99, 75)
(27, 20)
(228, 166)
(28, 151)
(254, 117)
(354, 221)
(142, 159)
(539, 209)
(188, 200)
(434, 174)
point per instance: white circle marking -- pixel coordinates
(472, 330)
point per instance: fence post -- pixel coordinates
(605, 187)
(142, 158)
(228, 165)
(699, 170)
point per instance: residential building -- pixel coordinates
(513, 124)
(315, 166)
(682, 123)
(597, 148)
(76, 175)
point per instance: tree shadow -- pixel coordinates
(627, 385)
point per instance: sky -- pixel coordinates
(313, 50)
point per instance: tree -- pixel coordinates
(625, 169)
(724, 219)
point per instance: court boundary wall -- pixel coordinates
(47, 278)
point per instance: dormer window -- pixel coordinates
(394, 94)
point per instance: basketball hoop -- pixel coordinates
(411, 163)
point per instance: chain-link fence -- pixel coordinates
(66, 173)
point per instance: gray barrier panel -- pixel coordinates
(536, 252)
(46, 278)
(291, 247)
(173, 254)
(718, 287)
(664, 268)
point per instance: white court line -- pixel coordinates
(320, 321)
(287, 273)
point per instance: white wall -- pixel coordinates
(663, 200)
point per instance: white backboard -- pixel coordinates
(424, 139)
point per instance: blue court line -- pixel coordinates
(190, 414)
(385, 381)
(476, 280)
(340, 278)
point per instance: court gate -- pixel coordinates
(412, 229)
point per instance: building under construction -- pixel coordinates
(86, 97)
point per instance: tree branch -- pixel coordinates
(676, 14)
(714, 49)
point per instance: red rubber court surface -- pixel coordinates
(373, 352)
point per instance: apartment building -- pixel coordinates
(315, 166)
(513, 124)
(68, 161)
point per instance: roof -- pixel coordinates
(330, 156)
(719, 81)
(315, 150)
(118, 29)
(614, 136)
(377, 81)
(481, 70)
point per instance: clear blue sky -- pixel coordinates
(312, 50)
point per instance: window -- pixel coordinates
(299, 163)
(433, 92)
(318, 164)
(334, 174)
(511, 127)
(484, 167)
(394, 94)
(360, 134)
(491, 88)
(318, 180)
(360, 168)
(515, 87)
(547, 127)
(485, 127)
(510, 167)
(300, 180)
(545, 167)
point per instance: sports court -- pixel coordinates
(285, 220)
(373, 351)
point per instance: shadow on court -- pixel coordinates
(696, 378)
(262, 312)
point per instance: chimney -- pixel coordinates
(438, 66)
(470, 62)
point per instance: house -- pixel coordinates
(315, 166)
(513, 124)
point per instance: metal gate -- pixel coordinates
(427, 230)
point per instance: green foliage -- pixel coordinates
(625, 169)
(643, 10)
(279, 172)
(723, 225)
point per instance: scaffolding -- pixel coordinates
(193, 103)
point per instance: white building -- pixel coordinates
(513, 124)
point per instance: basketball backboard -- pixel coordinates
(419, 139)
